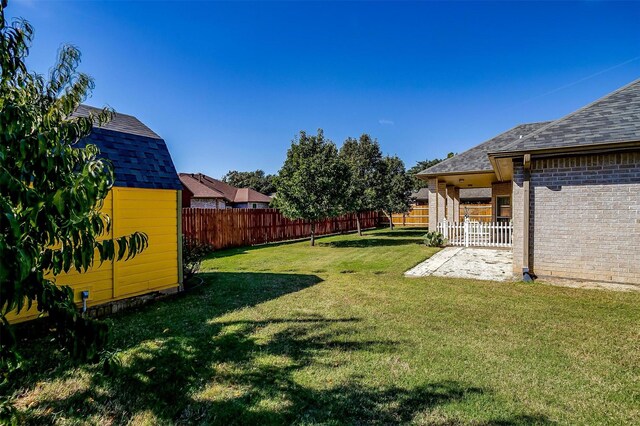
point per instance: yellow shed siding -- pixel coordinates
(153, 211)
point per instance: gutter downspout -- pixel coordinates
(526, 275)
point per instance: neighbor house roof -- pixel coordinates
(139, 156)
(465, 193)
(476, 159)
(248, 195)
(198, 189)
(614, 118)
(223, 189)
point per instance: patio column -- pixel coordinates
(442, 201)
(453, 203)
(436, 202)
(456, 204)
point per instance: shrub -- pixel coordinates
(434, 239)
(193, 252)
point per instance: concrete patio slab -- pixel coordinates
(460, 262)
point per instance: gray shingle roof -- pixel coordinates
(139, 156)
(120, 123)
(476, 159)
(611, 119)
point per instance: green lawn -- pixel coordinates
(335, 334)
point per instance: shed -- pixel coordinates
(146, 197)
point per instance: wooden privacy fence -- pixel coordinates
(419, 215)
(477, 212)
(222, 228)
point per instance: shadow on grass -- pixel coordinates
(184, 363)
(369, 242)
(404, 232)
(233, 251)
(407, 233)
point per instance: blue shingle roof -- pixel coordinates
(140, 157)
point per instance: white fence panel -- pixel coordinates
(477, 234)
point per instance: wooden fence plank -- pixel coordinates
(222, 228)
(419, 215)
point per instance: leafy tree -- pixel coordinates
(256, 180)
(395, 193)
(313, 181)
(50, 195)
(420, 166)
(364, 159)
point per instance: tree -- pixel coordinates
(50, 195)
(395, 194)
(313, 181)
(256, 180)
(365, 163)
(420, 166)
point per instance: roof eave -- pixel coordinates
(581, 149)
(458, 172)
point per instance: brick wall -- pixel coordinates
(585, 217)
(517, 216)
(207, 203)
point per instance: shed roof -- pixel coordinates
(139, 156)
(122, 123)
(614, 118)
(476, 159)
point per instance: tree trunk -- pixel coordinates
(358, 224)
(390, 219)
(313, 234)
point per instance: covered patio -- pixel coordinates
(472, 169)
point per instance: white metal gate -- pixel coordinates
(477, 234)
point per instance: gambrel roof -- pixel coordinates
(139, 156)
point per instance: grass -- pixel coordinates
(335, 334)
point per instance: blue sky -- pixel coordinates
(228, 85)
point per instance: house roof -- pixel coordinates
(614, 118)
(198, 189)
(248, 195)
(139, 156)
(465, 193)
(476, 159)
(223, 189)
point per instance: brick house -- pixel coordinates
(206, 192)
(570, 188)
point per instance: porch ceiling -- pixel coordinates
(470, 180)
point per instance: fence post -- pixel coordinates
(466, 232)
(445, 229)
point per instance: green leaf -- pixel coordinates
(59, 202)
